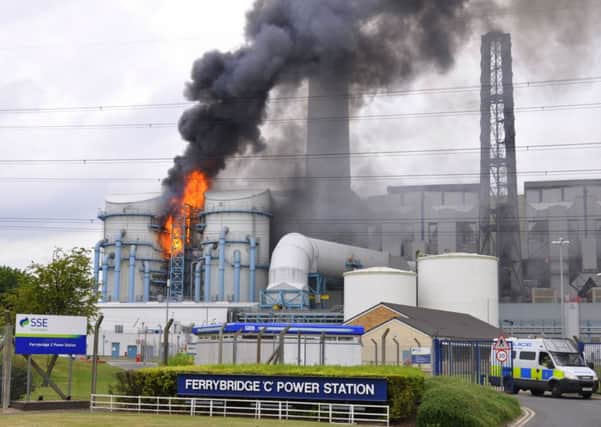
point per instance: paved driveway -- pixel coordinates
(568, 411)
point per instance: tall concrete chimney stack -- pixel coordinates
(328, 133)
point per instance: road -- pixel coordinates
(570, 410)
(130, 364)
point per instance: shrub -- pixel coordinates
(18, 383)
(181, 359)
(453, 401)
(405, 385)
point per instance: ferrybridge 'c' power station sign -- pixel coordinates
(281, 387)
(42, 334)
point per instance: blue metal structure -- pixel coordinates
(276, 328)
(297, 298)
(472, 360)
(176, 263)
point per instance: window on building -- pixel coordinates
(433, 237)
(466, 236)
(538, 239)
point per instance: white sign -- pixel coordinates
(40, 324)
(501, 356)
(420, 351)
(46, 334)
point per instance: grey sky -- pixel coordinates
(72, 53)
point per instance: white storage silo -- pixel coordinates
(235, 244)
(367, 287)
(460, 282)
(128, 248)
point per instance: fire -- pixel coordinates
(171, 237)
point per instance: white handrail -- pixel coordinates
(339, 413)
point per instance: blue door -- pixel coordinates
(115, 350)
(132, 351)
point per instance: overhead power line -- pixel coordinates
(355, 117)
(296, 178)
(367, 93)
(294, 156)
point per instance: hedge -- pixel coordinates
(450, 401)
(405, 385)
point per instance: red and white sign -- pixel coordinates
(501, 356)
(501, 349)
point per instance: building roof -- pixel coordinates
(438, 323)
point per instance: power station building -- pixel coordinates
(476, 248)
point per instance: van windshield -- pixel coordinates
(568, 359)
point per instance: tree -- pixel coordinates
(11, 278)
(64, 286)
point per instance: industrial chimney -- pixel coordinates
(328, 138)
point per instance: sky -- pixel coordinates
(57, 55)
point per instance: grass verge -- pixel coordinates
(81, 382)
(87, 419)
(450, 401)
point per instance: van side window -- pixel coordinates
(545, 360)
(527, 355)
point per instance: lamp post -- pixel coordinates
(561, 242)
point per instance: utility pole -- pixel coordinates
(7, 360)
(561, 242)
(166, 342)
(95, 352)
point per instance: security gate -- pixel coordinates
(473, 360)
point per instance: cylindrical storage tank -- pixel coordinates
(127, 223)
(236, 222)
(369, 286)
(460, 282)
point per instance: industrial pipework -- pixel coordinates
(131, 286)
(296, 255)
(97, 248)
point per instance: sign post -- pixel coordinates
(501, 349)
(41, 334)
(46, 334)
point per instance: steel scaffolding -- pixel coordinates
(499, 222)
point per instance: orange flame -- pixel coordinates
(171, 237)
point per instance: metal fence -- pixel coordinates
(592, 353)
(472, 360)
(338, 413)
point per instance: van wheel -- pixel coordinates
(537, 392)
(586, 395)
(555, 390)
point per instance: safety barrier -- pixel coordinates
(339, 413)
(471, 360)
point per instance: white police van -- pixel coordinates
(542, 364)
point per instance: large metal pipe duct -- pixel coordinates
(131, 288)
(97, 248)
(252, 269)
(197, 269)
(236, 276)
(208, 277)
(222, 263)
(296, 255)
(105, 276)
(146, 281)
(117, 270)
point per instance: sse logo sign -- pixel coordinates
(35, 322)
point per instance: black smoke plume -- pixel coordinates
(376, 42)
